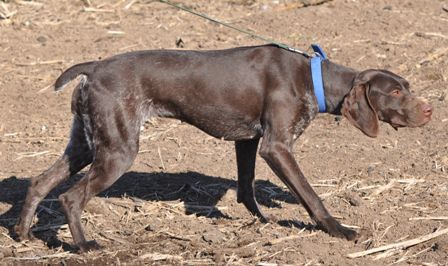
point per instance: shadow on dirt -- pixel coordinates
(194, 189)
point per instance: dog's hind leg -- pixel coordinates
(77, 155)
(109, 164)
(116, 141)
(246, 151)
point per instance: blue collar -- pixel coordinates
(316, 74)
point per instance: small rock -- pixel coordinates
(214, 236)
(41, 39)
(353, 202)
(127, 232)
(370, 170)
(264, 8)
(353, 199)
(155, 226)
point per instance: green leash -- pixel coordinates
(281, 45)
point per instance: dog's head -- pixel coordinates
(382, 95)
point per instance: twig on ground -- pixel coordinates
(400, 245)
(29, 3)
(38, 63)
(6, 14)
(44, 89)
(381, 189)
(174, 236)
(437, 218)
(405, 257)
(128, 5)
(386, 254)
(292, 237)
(430, 34)
(57, 255)
(159, 257)
(49, 227)
(160, 157)
(30, 154)
(322, 185)
(93, 9)
(116, 32)
(114, 238)
(351, 226)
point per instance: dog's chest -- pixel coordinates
(308, 111)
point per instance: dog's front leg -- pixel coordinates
(277, 153)
(246, 151)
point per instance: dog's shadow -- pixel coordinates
(195, 190)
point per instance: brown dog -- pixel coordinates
(241, 94)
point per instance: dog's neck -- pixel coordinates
(338, 81)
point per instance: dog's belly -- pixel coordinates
(217, 121)
(228, 128)
(223, 122)
(229, 131)
(230, 113)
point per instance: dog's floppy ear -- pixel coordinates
(359, 111)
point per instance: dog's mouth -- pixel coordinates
(420, 123)
(395, 126)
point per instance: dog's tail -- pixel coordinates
(74, 71)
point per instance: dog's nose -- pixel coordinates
(427, 110)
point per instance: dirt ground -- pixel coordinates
(177, 205)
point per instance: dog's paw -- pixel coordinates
(267, 218)
(347, 233)
(89, 246)
(335, 229)
(22, 234)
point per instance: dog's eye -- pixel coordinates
(395, 93)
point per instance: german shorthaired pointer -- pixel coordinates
(243, 94)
